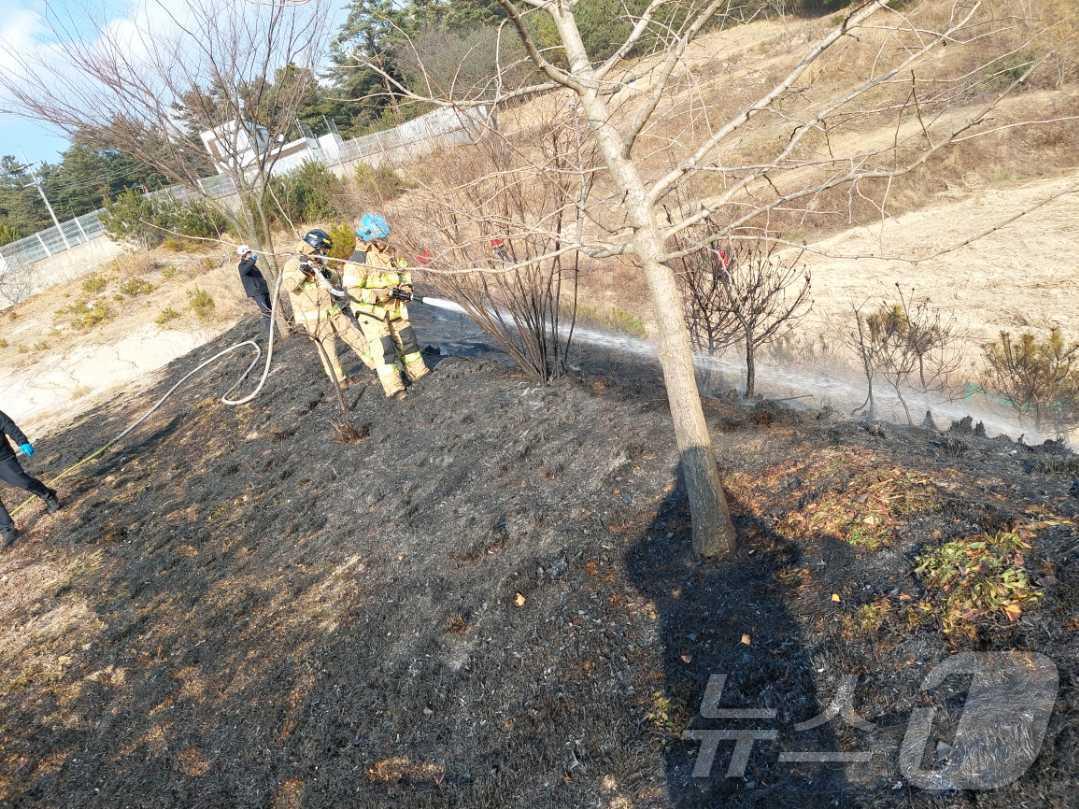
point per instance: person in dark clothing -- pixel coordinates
(12, 473)
(254, 283)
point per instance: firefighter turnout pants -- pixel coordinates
(389, 338)
(326, 328)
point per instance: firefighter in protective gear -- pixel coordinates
(311, 289)
(370, 277)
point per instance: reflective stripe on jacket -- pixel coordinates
(368, 278)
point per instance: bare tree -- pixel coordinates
(748, 293)
(860, 339)
(233, 68)
(704, 298)
(658, 138)
(16, 283)
(509, 209)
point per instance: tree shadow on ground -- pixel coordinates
(731, 618)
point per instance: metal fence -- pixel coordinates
(46, 243)
(421, 135)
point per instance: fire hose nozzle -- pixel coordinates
(399, 294)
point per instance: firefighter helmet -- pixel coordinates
(373, 226)
(317, 241)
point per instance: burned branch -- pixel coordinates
(512, 211)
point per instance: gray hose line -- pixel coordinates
(224, 397)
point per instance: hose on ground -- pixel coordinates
(225, 397)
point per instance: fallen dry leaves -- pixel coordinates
(849, 493)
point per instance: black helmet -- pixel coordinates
(319, 240)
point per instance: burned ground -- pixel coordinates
(490, 601)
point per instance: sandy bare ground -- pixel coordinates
(1025, 275)
(51, 370)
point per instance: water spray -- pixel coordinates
(801, 383)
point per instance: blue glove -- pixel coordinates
(27, 450)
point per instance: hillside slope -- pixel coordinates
(1027, 148)
(75, 344)
(1020, 276)
(490, 600)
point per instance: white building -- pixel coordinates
(235, 144)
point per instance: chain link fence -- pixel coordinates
(421, 135)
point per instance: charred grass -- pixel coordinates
(491, 600)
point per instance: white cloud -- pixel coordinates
(150, 25)
(19, 33)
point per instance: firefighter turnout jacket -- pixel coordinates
(316, 310)
(370, 277)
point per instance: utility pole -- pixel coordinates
(37, 184)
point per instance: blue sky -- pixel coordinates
(21, 25)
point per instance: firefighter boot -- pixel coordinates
(415, 367)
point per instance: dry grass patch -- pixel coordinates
(83, 316)
(166, 315)
(192, 762)
(398, 769)
(134, 287)
(131, 264)
(853, 495)
(202, 304)
(867, 620)
(93, 284)
(289, 795)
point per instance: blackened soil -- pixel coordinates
(491, 600)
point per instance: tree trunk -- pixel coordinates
(751, 369)
(713, 531)
(263, 237)
(273, 269)
(903, 402)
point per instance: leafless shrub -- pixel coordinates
(860, 339)
(791, 347)
(16, 284)
(1036, 377)
(710, 320)
(511, 214)
(909, 343)
(746, 293)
